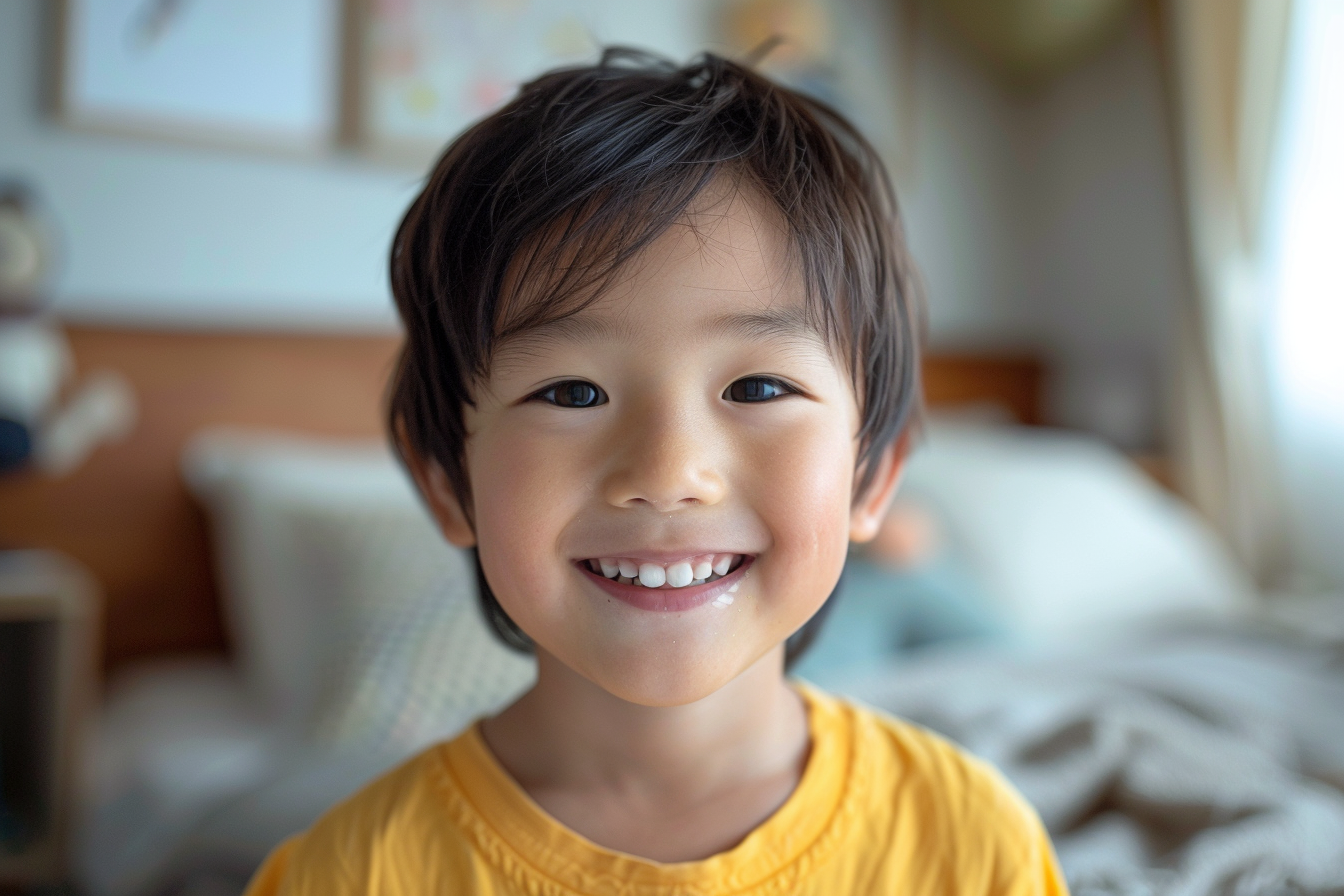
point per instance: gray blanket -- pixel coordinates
(1196, 763)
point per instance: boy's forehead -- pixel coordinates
(776, 323)
(726, 271)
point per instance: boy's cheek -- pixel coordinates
(521, 478)
(810, 543)
(520, 499)
(804, 498)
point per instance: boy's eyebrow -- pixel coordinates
(787, 324)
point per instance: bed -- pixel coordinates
(1076, 624)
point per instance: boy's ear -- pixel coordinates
(870, 509)
(442, 500)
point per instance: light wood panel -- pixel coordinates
(1014, 382)
(126, 515)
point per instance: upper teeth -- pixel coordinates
(678, 574)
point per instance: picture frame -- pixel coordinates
(392, 81)
(422, 70)
(243, 74)
(859, 56)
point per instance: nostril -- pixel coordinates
(665, 506)
(665, 483)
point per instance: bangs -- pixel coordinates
(580, 257)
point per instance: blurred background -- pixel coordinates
(1121, 542)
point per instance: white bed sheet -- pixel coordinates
(1195, 763)
(189, 784)
(1187, 763)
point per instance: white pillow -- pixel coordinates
(412, 660)
(257, 487)
(1066, 535)
(351, 615)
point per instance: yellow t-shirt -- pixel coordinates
(883, 807)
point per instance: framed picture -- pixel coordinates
(251, 73)
(856, 55)
(425, 69)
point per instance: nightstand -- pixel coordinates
(48, 660)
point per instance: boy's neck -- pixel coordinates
(569, 734)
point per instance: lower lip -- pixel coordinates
(668, 599)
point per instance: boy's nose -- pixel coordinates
(667, 461)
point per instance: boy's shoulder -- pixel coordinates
(920, 794)
(921, 764)
(391, 826)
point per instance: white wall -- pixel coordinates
(960, 206)
(1048, 219)
(1103, 250)
(169, 234)
(1040, 221)
(159, 233)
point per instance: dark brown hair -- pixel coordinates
(582, 171)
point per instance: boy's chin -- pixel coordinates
(662, 693)
(680, 680)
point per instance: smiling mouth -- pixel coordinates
(717, 589)
(685, 573)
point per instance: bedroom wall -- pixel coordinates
(1043, 221)
(1048, 219)
(957, 194)
(158, 233)
(163, 234)
(1102, 248)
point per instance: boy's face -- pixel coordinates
(690, 411)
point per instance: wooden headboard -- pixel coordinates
(126, 515)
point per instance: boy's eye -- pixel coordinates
(573, 394)
(757, 388)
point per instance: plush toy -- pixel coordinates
(909, 537)
(36, 365)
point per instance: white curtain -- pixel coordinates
(1305, 224)
(1225, 63)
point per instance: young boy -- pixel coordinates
(660, 360)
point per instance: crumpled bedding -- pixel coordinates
(1205, 761)
(1190, 764)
